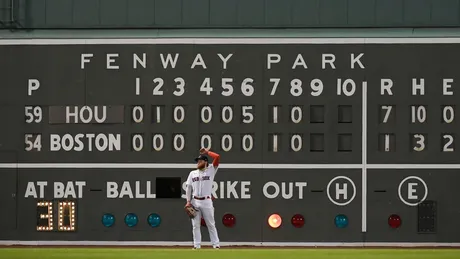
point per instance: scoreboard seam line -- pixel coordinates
(241, 40)
(364, 161)
(226, 166)
(177, 165)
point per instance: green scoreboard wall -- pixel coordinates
(50, 14)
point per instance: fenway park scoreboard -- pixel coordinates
(320, 140)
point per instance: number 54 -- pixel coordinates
(33, 144)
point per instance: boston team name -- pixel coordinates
(204, 178)
(85, 142)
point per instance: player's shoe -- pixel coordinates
(217, 247)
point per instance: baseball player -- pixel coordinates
(199, 195)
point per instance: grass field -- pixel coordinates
(225, 253)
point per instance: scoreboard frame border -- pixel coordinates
(223, 40)
(230, 244)
(258, 40)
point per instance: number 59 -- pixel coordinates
(33, 114)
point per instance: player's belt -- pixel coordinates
(201, 198)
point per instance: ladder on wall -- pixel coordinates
(9, 14)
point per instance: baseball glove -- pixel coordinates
(191, 211)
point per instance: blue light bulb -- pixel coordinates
(131, 219)
(341, 221)
(154, 220)
(108, 220)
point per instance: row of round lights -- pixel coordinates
(229, 220)
(131, 220)
(340, 221)
(298, 221)
(154, 220)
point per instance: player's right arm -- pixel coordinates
(188, 189)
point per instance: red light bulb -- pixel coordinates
(297, 221)
(394, 221)
(228, 220)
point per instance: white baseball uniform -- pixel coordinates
(201, 182)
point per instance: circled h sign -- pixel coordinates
(329, 194)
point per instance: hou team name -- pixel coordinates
(85, 114)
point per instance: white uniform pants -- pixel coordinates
(206, 210)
